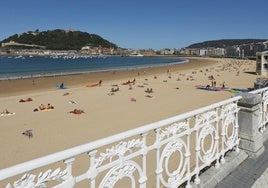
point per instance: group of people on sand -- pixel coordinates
(213, 81)
(130, 82)
(43, 107)
(48, 107)
(149, 90)
(6, 112)
(115, 89)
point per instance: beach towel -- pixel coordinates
(46, 109)
(212, 88)
(237, 90)
(72, 102)
(7, 114)
(93, 85)
(149, 96)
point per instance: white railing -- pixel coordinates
(166, 153)
(263, 108)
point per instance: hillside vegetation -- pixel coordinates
(225, 43)
(60, 39)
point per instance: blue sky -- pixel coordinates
(141, 23)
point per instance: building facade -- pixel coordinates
(262, 63)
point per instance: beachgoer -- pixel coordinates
(42, 107)
(100, 82)
(5, 112)
(223, 84)
(77, 111)
(133, 82)
(28, 133)
(49, 106)
(61, 85)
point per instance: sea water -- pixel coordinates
(25, 67)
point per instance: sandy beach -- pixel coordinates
(105, 112)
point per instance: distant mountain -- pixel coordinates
(58, 40)
(225, 43)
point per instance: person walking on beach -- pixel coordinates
(100, 82)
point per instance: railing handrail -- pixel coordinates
(77, 150)
(259, 90)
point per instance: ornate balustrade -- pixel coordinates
(264, 102)
(166, 153)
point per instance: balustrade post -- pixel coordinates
(92, 172)
(70, 181)
(197, 154)
(188, 155)
(159, 169)
(143, 179)
(249, 118)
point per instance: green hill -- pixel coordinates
(59, 40)
(225, 43)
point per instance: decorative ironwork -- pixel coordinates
(206, 131)
(28, 180)
(119, 172)
(173, 129)
(229, 123)
(176, 146)
(119, 150)
(206, 117)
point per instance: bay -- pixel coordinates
(24, 67)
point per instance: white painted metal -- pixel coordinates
(264, 112)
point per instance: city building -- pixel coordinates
(262, 63)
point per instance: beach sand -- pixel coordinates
(174, 92)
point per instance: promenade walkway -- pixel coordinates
(253, 172)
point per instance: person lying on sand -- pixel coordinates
(28, 133)
(77, 111)
(6, 113)
(133, 99)
(65, 94)
(26, 100)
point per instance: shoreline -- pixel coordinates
(11, 87)
(33, 76)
